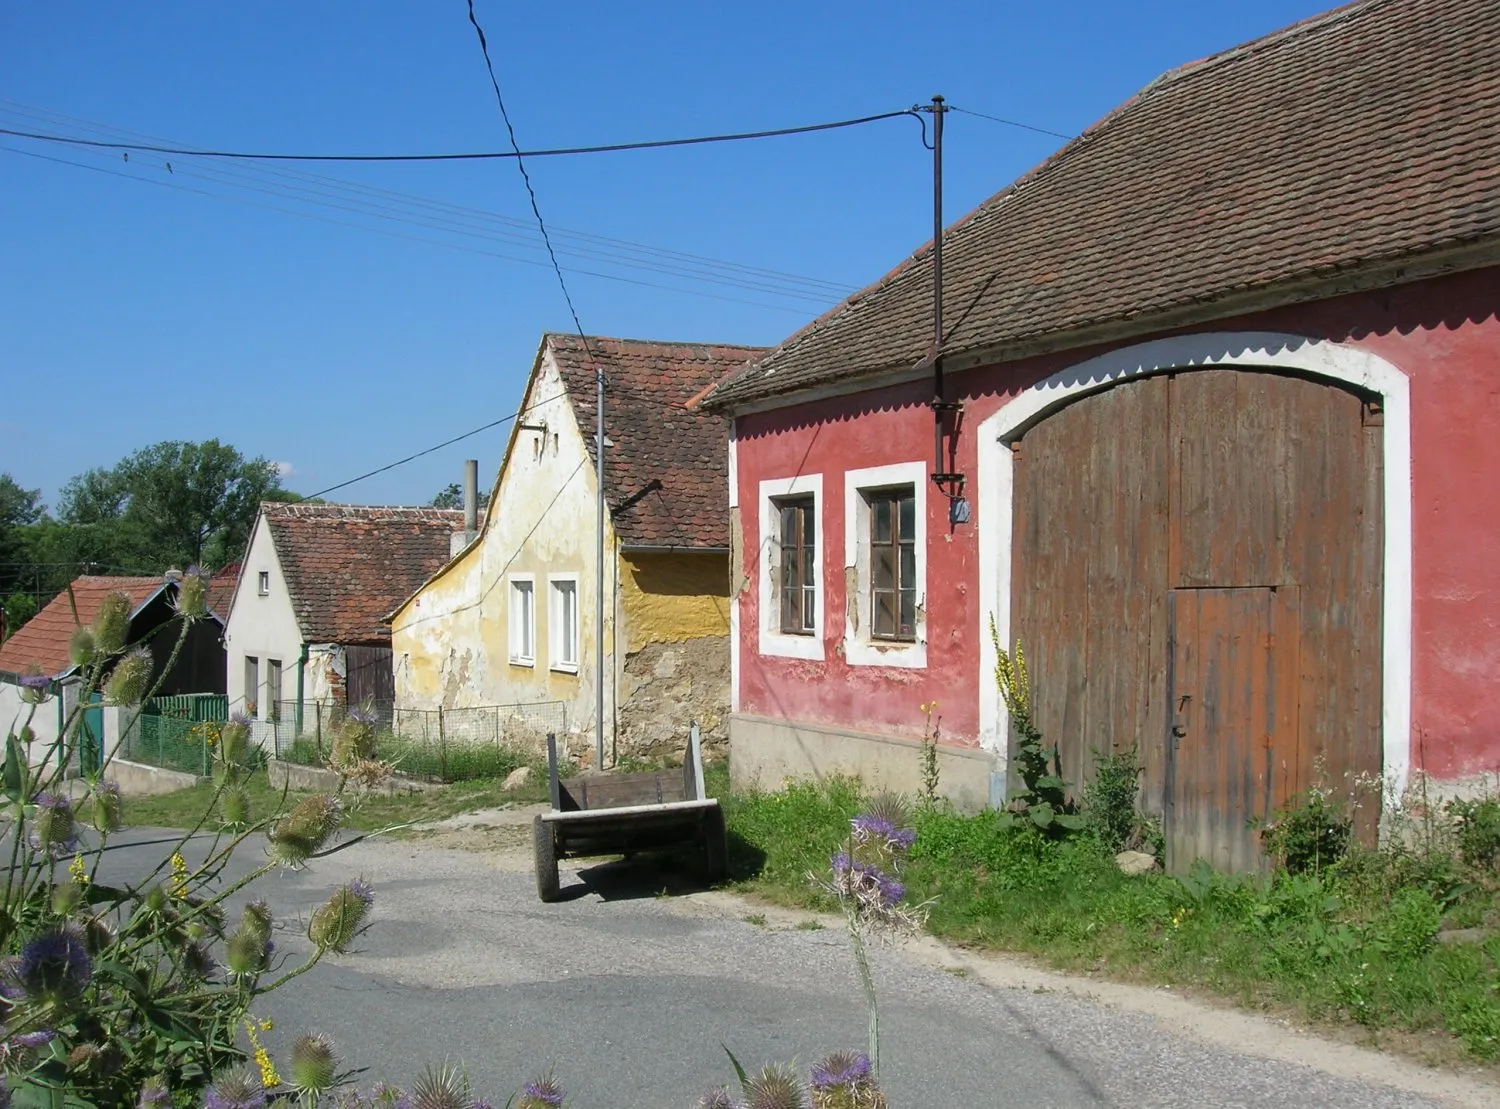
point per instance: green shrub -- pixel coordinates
(1478, 830)
(1308, 834)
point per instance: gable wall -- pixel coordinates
(265, 628)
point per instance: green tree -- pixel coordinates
(18, 509)
(172, 503)
(453, 497)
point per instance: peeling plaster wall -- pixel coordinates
(451, 644)
(675, 612)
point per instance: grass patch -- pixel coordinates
(1357, 944)
(428, 762)
(184, 808)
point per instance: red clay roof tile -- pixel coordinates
(1361, 137)
(666, 473)
(347, 566)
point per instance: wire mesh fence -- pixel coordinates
(438, 745)
(176, 733)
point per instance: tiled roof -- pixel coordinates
(665, 475)
(346, 566)
(1355, 139)
(42, 644)
(221, 585)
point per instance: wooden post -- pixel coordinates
(695, 751)
(554, 790)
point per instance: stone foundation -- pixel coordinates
(667, 686)
(763, 753)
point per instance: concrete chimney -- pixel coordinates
(471, 496)
(462, 539)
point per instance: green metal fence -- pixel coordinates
(176, 733)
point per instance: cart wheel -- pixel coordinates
(715, 845)
(544, 847)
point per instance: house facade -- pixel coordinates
(1214, 447)
(305, 627)
(513, 618)
(40, 649)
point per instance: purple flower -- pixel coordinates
(540, 1092)
(869, 826)
(55, 965)
(28, 1041)
(363, 715)
(34, 681)
(842, 1068)
(154, 1095)
(363, 890)
(716, 1097)
(235, 1091)
(240, 718)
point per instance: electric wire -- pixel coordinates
(1012, 123)
(457, 219)
(402, 235)
(516, 154)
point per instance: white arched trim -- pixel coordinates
(1247, 350)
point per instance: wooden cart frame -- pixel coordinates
(621, 814)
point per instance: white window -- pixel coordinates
(562, 628)
(273, 689)
(885, 545)
(252, 684)
(791, 567)
(264, 583)
(522, 619)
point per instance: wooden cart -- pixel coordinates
(620, 814)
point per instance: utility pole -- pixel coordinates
(599, 571)
(950, 484)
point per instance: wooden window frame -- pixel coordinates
(804, 510)
(897, 544)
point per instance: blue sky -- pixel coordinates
(334, 328)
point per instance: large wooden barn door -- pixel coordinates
(1196, 573)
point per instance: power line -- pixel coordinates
(445, 443)
(517, 154)
(1012, 123)
(455, 219)
(398, 234)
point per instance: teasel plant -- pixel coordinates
(135, 993)
(865, 880)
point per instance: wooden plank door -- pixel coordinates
(1232, 755)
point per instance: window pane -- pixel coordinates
(791, 610)
(908, 516)
(808, 572)
(789, 521)
(809, 609)
(908, 566)
(880, 519)
(908, 613)
(808, 532)
(883, 614)
(883, 566)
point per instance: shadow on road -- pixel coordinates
(659, 874)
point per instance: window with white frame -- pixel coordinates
(562, 632)
(522, 620)
(264, 583)
(885, 541)
(796, 565)
(893, 563)
(791, 592)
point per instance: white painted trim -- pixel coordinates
(1248, 350)
(739, 550)
(734, 465)
(553, 616)
(859, 648)
(511, 580)
(772, 641)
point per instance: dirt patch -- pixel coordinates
(504, 834)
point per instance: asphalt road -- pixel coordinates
(631, 997)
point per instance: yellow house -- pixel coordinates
(511, 619)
